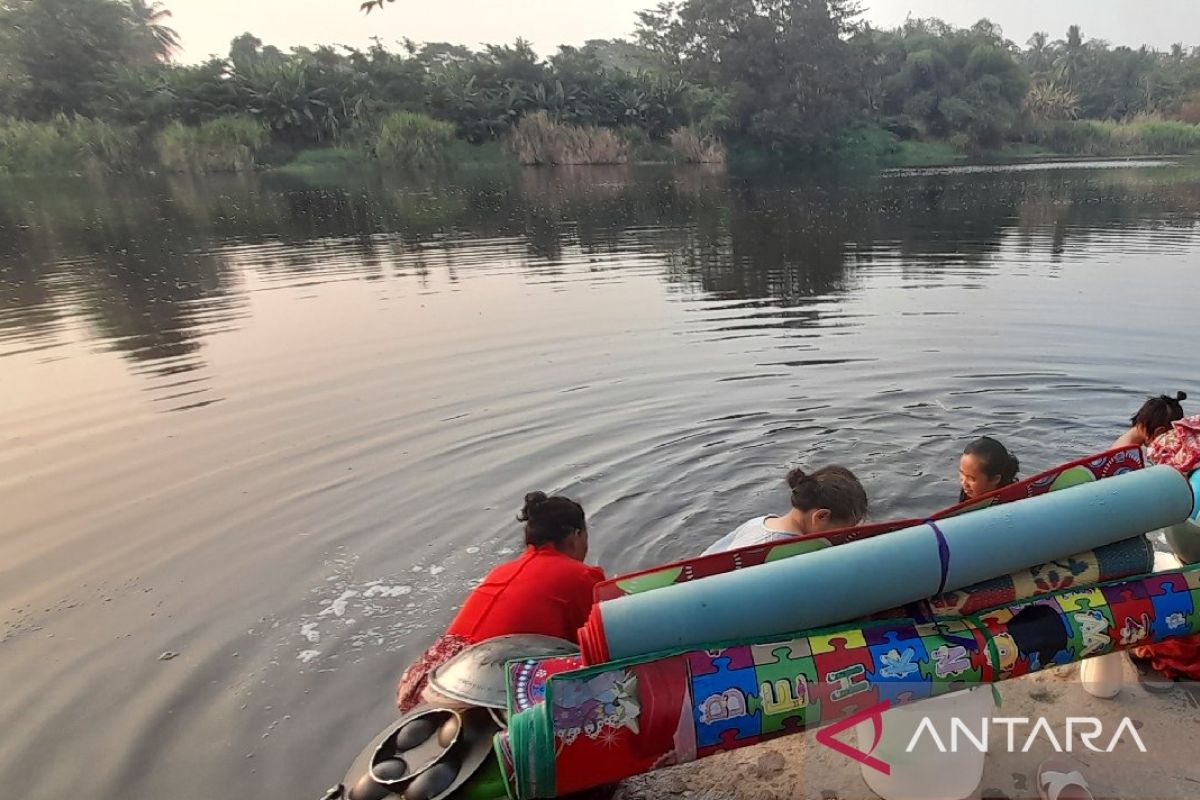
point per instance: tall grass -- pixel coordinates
(690, 146)
(224, 144)
(413, 140)
(539, 139)
(328, 158)
(1133, 138)
(1160, 137)
(66, 144)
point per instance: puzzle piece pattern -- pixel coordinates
(1090, 624)
(721, 703)
(705, 662)
(897, 664)
(1132, 612)
(1173, 605)
(787, 684)
(956, 655)
(843, 683)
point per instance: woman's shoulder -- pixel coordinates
(569, 568)
(587, 571)
(752, 531)
(572, 577)
(754, 525)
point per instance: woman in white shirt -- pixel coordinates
(825, 500)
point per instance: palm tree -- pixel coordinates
(1040, 55)
(1071, 53)
(149, 17)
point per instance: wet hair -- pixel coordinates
(833, 487)
(995, 458)
(1158, 413)
(550, 520)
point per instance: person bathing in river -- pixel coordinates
(1152, 420)
(825, 500)
(985, 466)
(547, 590)
(1102, 677)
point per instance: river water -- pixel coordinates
(258, 435)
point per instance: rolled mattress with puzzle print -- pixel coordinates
(905, 566)
(1108, 563)
(576, 728)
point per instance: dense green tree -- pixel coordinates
(944, 81)
(793, 74)
(247, 52)
(62, 55)
(162, 41)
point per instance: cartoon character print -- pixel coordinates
(607, 700)
(1057, 574)
(1135, 630)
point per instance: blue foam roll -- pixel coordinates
(860, 578)
(1184, 538)
(1194, 480)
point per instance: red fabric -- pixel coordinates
(416, 677)
(1179, 447)
(543, 591)
(1175, 658)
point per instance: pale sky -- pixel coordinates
(207, 26)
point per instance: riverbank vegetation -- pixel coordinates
(223, 144)
(91, 86)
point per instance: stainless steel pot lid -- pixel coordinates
(477, 676)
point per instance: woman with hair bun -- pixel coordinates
(1102, 677)
(825, 500)
(547, 591)
(1153, 419)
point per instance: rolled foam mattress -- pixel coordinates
(864, 577)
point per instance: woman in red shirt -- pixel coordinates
(548, 590)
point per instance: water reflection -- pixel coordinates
(152, 267)
(396, 361)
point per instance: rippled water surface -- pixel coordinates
(276, 426)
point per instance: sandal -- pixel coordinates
(1151, 679)
(1060, 779)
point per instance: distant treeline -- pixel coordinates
(92, 82)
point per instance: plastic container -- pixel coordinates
(926, 773)
(1102, 676)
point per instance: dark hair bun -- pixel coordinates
(796, 476)
(1180, 397)
(532, 501)
(833, 487)
(550, 520)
